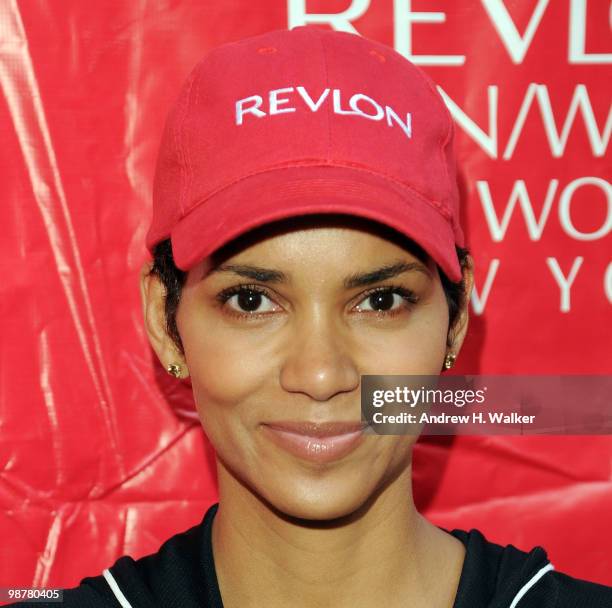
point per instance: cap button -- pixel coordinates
(378, 56)
(267, 50)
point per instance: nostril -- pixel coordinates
(267, 50)
(378, 56)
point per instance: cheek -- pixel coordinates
(227, 367)
(416, 345)
(430, 333)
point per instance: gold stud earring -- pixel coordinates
(174, 369)
(449, 360)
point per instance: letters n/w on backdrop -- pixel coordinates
(98, 448)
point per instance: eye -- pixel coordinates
(388, 299)
(247, 300)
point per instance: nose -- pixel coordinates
(319, 361)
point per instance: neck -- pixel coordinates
(381, 554)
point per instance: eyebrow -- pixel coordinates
(265, 275)
(385, 272)
(359, 279)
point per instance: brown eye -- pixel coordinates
(388, 299)
(246, 300)
(383, 300)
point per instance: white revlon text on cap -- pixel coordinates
(359, 104)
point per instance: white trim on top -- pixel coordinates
(530, 583)
(112, 583)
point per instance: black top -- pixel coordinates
(182, 575)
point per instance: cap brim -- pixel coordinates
(293, 191)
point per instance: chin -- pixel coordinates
(318, 502)
(322, 509)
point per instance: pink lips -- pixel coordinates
(316, 442)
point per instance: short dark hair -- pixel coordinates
(173, 279)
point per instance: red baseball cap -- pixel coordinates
(303, 121)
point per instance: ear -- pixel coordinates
(458, 331)
(153, 293)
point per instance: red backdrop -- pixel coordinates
(100, 454)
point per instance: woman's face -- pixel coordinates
(281, 327)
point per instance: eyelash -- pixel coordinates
(409, 297)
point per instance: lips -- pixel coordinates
(318, 442)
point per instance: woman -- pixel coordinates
(306, 232)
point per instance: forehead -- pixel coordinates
(305, 236)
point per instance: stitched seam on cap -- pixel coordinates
(196, 101)
(188, 166)
(181, 141)
(177, 147)
(327, 105)
(439, 207)
(179, 153)
(443, 141)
